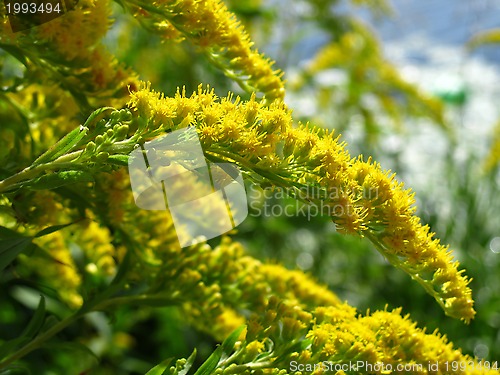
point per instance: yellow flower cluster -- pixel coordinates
(294, 321)
(360, 197)
(67, 52)
(6, 33)
(215, 286)
(337, 340)
(217, 289)
(40, 99)
(209, 25)
(75, 34)
(220, 288)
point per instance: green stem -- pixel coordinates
(62, 162)
(39, 340)
(394, 260)
(32, 172)
(24, 175)
(239, 369)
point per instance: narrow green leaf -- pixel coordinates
(6, 233)
(228, 344)
(121, 160)
(58, 179)
(63, 146)
(94, 115)
(161, 368)
(36, 321)
(52, 229)
(86, 357)
(211, 363)
(50, 322)
(221, 353)
(189, 363)
(11, 345)
(11, 248)
(17, 369)
(11, 245)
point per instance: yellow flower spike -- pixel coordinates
(253, 349)
(363, 199)
(228, 321)
(216, 31)
(248, 280)
(294, 284)
(304, 356)
(319, 337)
(382, 338)
(144, 101)
(78, 31)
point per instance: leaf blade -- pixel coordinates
(11, 248)
(160, 368)
(36, 322)
(63, 146)
(221, 353)
(59, 179)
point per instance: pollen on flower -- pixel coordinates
(79, 30)
(369, 202)
(214, 29)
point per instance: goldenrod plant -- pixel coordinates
(82, 265)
